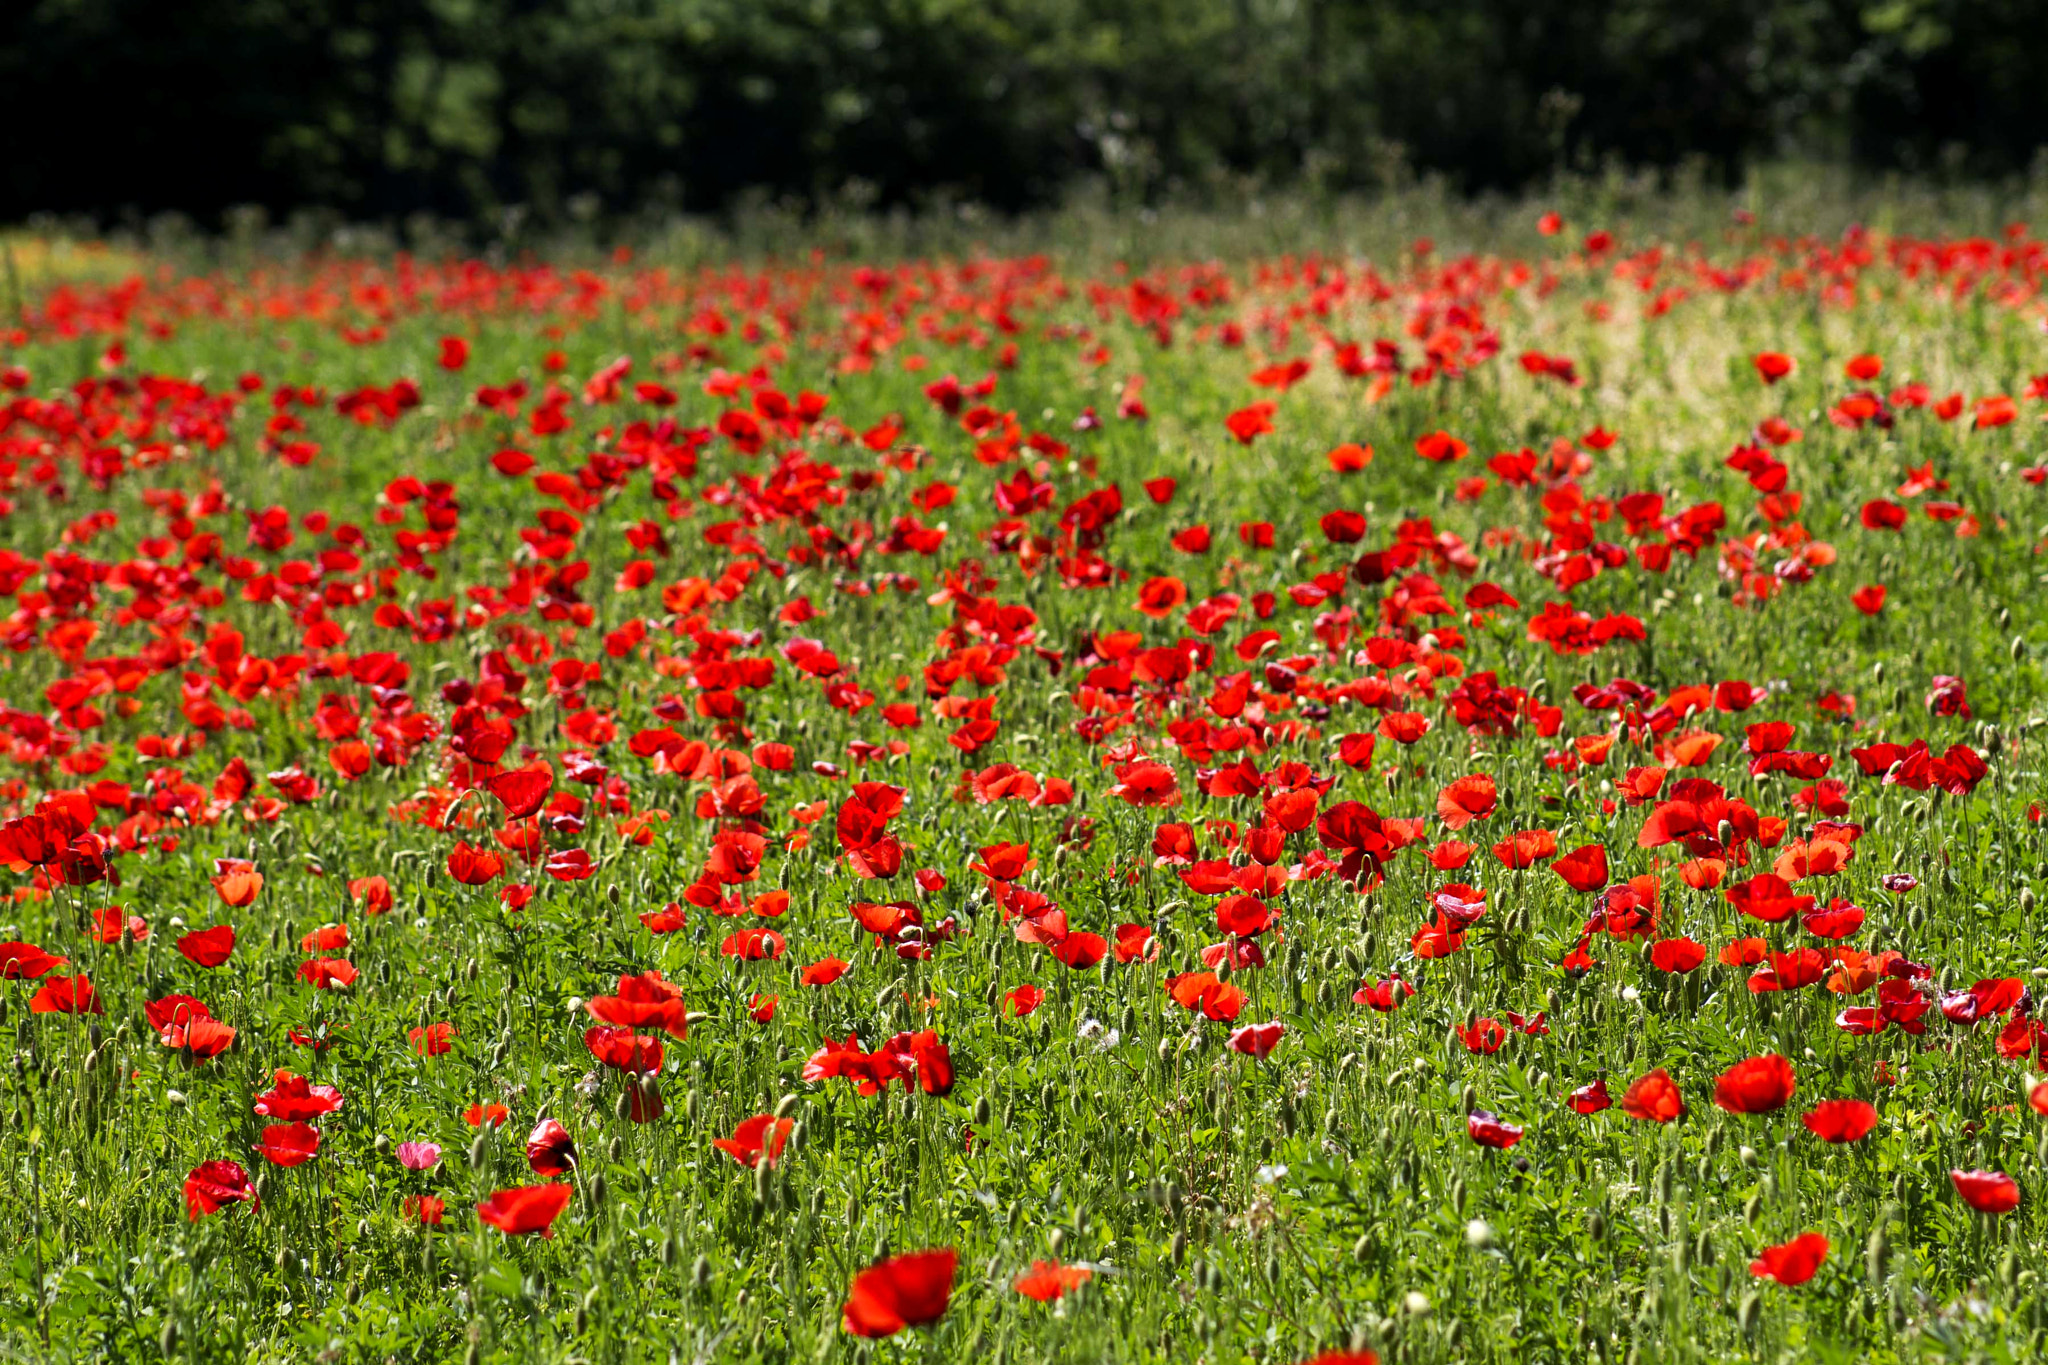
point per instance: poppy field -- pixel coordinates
(1478, 803)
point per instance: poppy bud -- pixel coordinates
(786, 1106)
(1478, 1234)
(582, 1321)
(1178, 1248)
(599, 1189)
(167, 1340)
(1751, 1208)
(1416, 1303)
(611, 893)
(2019, 649)
(762, 1190)
(1458, 1195)
(1745, 1314)
(1361, 1248)
(1596, 1226)
(690, 1104)
(383, 1145)
(981, 1109)
(1876, 1253)
(174, 1098)
(479, 1152)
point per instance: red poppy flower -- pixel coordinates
(1591, 1099)
(289, 1144)
(526, 1209)
(477, 1115)
(522, 791)
(1049, 1280)
(644, 1001)
(757, 1139)
(66, 995)
(213, 1185)
(903, 1291)
(293, 1099)
(236, 881)
(1987, 1191)
(474, 866)
(1655, 1097)
(1757, 1085)
(423, 1209)
(1792, 1263)
(1772, 366)
(1583, 869)
(1482, 1036)
(1385, 996)
(1465, 800)
(1488, 1131)
(208, 947)
(1256, 1040)
(1676, 955)
(549, 1150)
(1843, 1120)
(19, 961)
(431, 1040)
(824, 972)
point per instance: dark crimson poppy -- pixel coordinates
(1488, 1131)
(1842, 1120)
(549, 1150)
(1987, 1191)
(1757, 1085)
(526, 1209)
(212, 1185)
(1792, 1263)
(1654, 1097)
(289, 1144)
(757, 1139)
(903, 1291)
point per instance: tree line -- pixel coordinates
(573, 108)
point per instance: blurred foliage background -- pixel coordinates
(568, 110)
